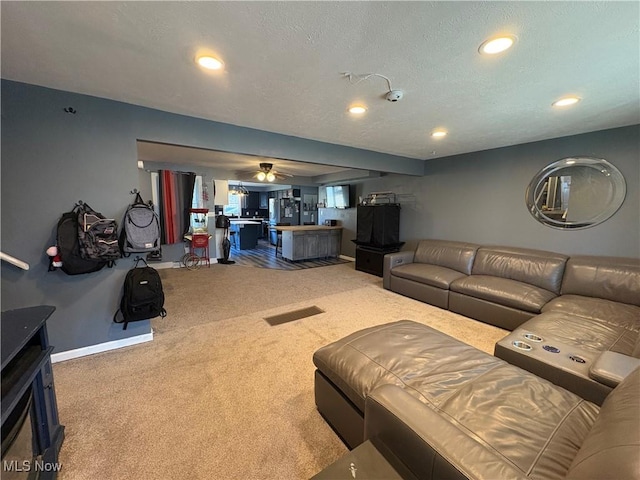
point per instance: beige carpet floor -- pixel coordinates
(220, 394)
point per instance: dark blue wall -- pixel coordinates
(51, 159)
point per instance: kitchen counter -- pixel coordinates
(299, 228)
(244, 221)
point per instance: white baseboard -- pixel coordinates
(344, 257)
(161, 265)
(101, 347)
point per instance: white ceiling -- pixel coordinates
(283, 65)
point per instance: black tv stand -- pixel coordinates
(27, 372)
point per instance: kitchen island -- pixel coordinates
(247, 232)
(305, 242)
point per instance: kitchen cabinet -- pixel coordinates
(221, 196)
(335, 240)
(264, 200)
(323, 244)
(253, 201)
(371, 260)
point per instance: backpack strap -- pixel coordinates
(140, 259)
(138, 200)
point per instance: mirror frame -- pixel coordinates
(601, 166)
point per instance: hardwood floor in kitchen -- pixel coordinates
(263, 256)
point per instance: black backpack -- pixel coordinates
(140, 228)
(143, 297)
(97, 235)
(69, 247)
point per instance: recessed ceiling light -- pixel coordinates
(566, 101)
(497, 45)
(209, 62)
(357, 109)
(439, 133)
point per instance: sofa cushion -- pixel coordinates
(433, 275)
(611, 448)
(407, 354)
(454, 255)
(614, 313)
(536, 267)
(582, 332)
(611, 278)
(503, 291)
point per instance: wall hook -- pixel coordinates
(71, 110)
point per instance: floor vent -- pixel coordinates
(293, 315)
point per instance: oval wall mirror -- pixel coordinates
(576, 192)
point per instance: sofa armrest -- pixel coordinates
(423, 443)
(611, 368)
(393, 260)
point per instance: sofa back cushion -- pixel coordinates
(455, 255)
(535, 267)
(611, 278)
(611, 448)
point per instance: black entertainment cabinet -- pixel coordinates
(31, 432)
(378, 232)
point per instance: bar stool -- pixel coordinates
(278, 243)
(279, 237)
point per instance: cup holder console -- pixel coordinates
(534, 349)
(577, 359)
(533, 337)
(521, 345)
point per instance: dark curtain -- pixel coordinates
(176, 197)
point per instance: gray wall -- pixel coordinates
(51, 159)
(480, 197)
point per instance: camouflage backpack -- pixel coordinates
(97, 235)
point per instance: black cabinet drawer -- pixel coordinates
(371, 261)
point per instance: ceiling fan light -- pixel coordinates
(270, 177)
(261, 176)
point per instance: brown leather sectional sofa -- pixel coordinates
(575, 320)
(434, 407)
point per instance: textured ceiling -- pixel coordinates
(283, 65)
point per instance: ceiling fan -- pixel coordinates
(267, 173)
